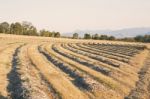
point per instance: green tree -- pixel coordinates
(146, 38)
(32, 31)
(12, 28)
(75, 36)
(96, 36)
(45, 33)
(111, 38)
(103, 37)
(28, 28)
(87, 36)
(57, 34)
(25, 27)
(1, 29)
(18, 28)
(4, 27)
(139, 38)
(53, 34)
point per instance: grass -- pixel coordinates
(42, 74)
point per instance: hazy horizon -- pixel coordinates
(71, 15)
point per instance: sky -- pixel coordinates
(70, 15)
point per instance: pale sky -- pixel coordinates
(69, 15)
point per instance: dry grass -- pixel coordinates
(59, 83)
(5, 68)
(55, 68)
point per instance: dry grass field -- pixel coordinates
(57, 68)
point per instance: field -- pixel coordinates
(57, 68)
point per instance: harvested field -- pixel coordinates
(57, 68)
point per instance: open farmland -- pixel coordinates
(57, 68)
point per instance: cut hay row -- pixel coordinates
(122, 48)
(107, 81)
(77, 77)
(32, 79)
(92, 61)
(54, 77)
(110, 52)
(140, 50)
(121, 45)
(49, 68)
(112, 49)
(15, 87)
(122, 64)
(126, 50)
(93, 56)
(103, 70)
(97, 68)
(107, 53)
(77, 53)
(96, 52)
(91, 78)
(108, 61)
(5, 68)
(142, 89)
(129, 80)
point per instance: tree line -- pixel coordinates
(139, 38)
(145, 38)
(95, 36)
(25, 28)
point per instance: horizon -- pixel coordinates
(70, 15)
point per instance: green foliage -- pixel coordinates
(56, 34)
(12, 28)
(28, 28)
(87, 36)
(4, 27)
(25, 28)
(139, 38)
(33, 31)
(95, 37)
(47, 33)
(99, 37)
(111, 38)
(145, 38)
(103, 37)
(75, 36)
(17, 28)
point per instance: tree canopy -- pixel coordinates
(75, 36)
(4, 27)
(87, 36)
(145, 38)
(25, 28)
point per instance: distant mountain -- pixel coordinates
(129, 32)
(148, 33)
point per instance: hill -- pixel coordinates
(128, 32)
